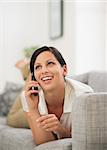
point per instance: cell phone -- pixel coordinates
(34, 88)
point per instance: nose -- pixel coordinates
(44, 69)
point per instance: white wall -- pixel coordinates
(22, 25)
(26, 23)
(106, 34)
(90, 36)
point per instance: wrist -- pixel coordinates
(33, 109)
(33, 113)
(63, 132)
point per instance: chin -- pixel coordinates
(48, 88)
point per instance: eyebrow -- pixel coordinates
(46, 61)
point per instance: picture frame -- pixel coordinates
(55, 19)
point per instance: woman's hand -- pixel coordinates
(51, 123)
(32, 100)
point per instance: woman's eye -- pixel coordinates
(50, 63)
(37, 67)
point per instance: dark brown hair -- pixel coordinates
(53, 50)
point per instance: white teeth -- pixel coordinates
(46, 78)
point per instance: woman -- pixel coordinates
(48, 108)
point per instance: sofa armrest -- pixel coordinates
(89, 122)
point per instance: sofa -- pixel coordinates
(89, 119)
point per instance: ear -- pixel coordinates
(65, 70)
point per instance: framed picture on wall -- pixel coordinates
(55, 18)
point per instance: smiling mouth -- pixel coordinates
(46, 78)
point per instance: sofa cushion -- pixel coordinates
(3, 120)
(63, 144)
(81, 77)
(16, 139)
(9, 95)
(98, 81)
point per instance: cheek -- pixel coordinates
(59, 72)
(54, 70)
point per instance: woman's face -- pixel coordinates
(48, 71)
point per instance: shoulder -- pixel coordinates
(78, 86)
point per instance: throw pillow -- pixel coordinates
(7, 98)
(16, 117)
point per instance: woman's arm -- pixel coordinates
(30, 106)
(40, 135)
(51, 123)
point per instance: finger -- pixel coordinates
(44, 117)
(49, 121)
(55, 127)
(49, 125)
(52, 129)
(30, 92)
(31, 84)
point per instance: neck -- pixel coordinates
(56, 97)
